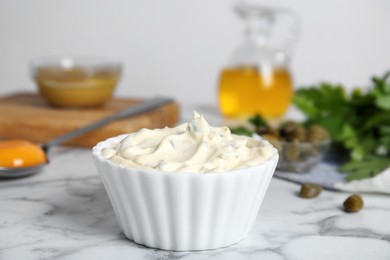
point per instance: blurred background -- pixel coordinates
(178, 48)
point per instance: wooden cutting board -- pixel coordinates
(28, 116)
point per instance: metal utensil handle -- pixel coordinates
(131, 111)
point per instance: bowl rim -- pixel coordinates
(96, 152)
(70, 61)
(303, 144)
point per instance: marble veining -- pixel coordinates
(64, 213)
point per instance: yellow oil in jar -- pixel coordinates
(246, 91)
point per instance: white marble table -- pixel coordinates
(64, 213)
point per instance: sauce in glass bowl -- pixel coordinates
(68, 82)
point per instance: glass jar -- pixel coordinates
(258, 80)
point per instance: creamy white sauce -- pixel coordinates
(191, 147)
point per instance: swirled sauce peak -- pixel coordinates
(191, 147)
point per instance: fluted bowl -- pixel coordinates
(183, 211)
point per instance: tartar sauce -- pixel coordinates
(191, 147)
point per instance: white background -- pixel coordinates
(177, 47)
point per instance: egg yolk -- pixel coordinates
(20, 153)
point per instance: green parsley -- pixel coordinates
(359, 123)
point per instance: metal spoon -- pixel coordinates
(17, 172)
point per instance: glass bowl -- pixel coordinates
(299, 156)
(75, 82)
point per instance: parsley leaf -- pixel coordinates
(359, 122)
(241, 131)
(258, 121)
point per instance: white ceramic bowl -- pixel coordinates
(184, 211)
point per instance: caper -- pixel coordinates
(292, 151)
(310, 190)
(273, 131)
(261, 130)
(353, 203)
(299, 134)
(269, 131)
(291, 131)
(289, 126)
(316, 134)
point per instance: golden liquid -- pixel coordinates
(246, 91)
(75, 87)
